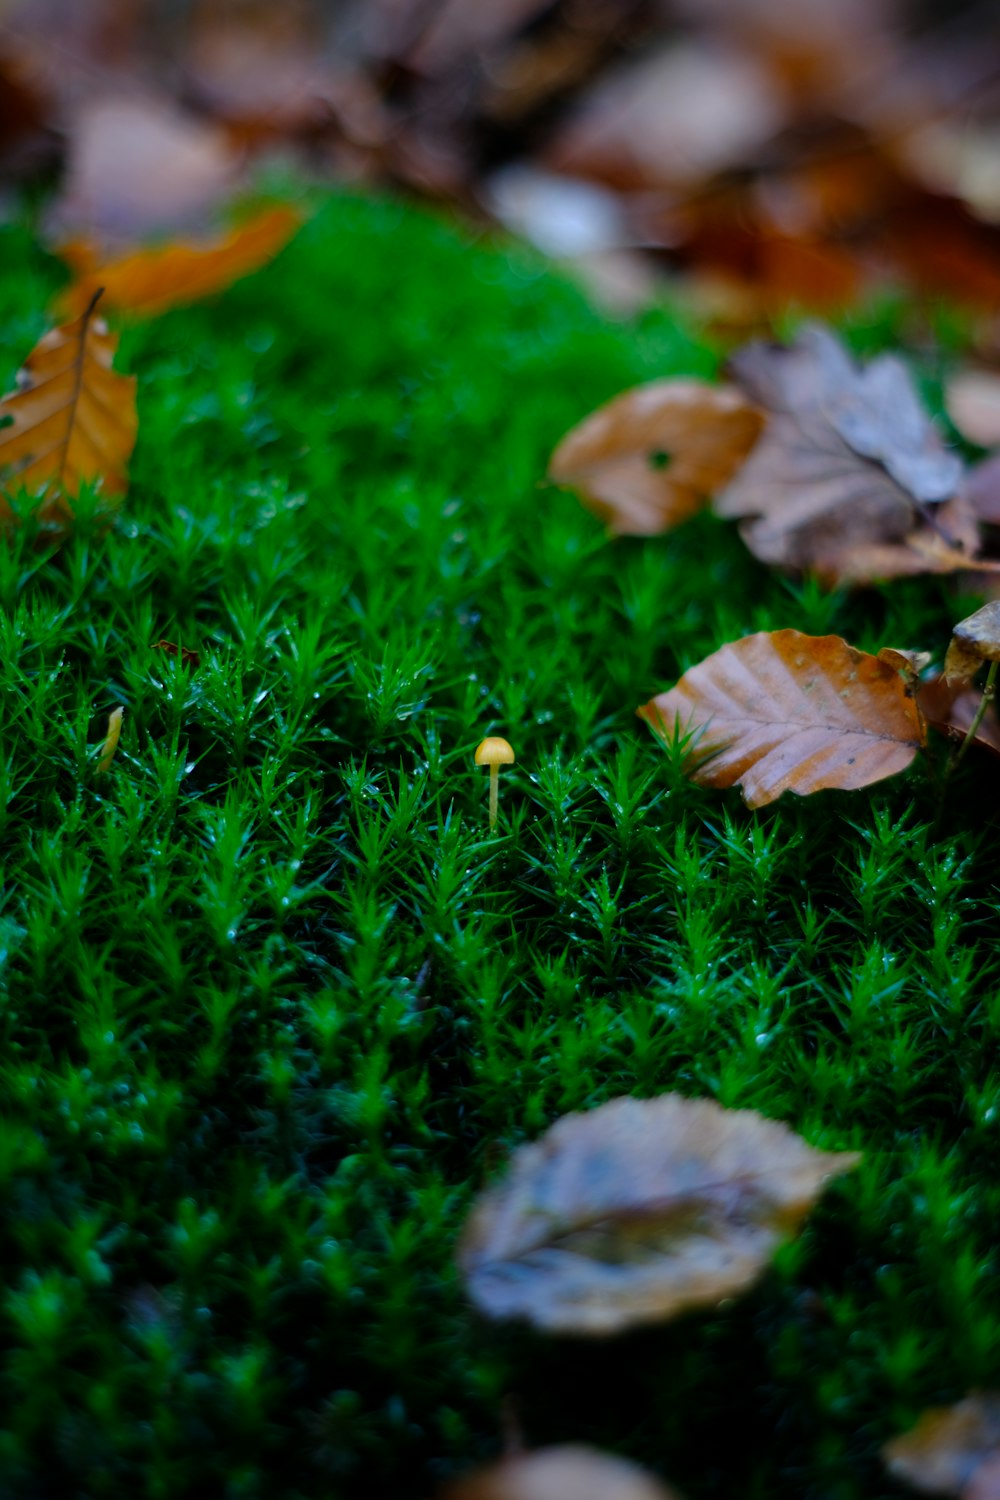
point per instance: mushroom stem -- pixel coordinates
(494, 793)
(989, 692)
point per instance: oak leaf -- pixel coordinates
(781, 711)
(73, 417)
(850, 479)
(148, 282)
(652, 456)
(953, 1450)
(570, 1471)
(637, 1210)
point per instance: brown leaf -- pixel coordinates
(140, 166)
(973, 640)
(651, 457)
(781, 711)
(949, 1447)
(670, 119)
(148, 282)
(568, 1472)
(950, 708)
(188, 657)
(982, 490)
(74, 417)
(637, 1210)
(973, 401)
(848, 462)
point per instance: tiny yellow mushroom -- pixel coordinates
(111, 742)
(494, 752)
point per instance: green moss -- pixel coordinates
(274, 1005)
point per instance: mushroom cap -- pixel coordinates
(494, 752)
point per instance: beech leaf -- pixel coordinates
(652, 456)
(953, 1450)
(781, 711)
(570, 1471)
(841, 481)
(148, 282)
(74, 416)
(637, 1210)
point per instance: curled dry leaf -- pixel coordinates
(637, 1210)
(149, 282)
(844, 477)
(568, 1472)
(73, 416)
(973, 401)
(652, 456)
(950, 1447)
(974, 640)
(780, 711)
(951, 708)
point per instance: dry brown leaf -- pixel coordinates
(140, 166)
(670, 119)
(568, 1472)
(148, 282)
(973, 401)
(848, 462)
(73, 416)
(950, 1445)
(651, 457)
(637, 1210)
(785, 712)
(974, 640)
(951, 707)
(981, 490)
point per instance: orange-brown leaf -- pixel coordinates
(570, 1471)
(73, 416)
(651, 457)
(952, 1449)
(148, 282)
(637, 1210)
(780, 711)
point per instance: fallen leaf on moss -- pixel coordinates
(781, 711)
(188, 657)
(148, 282)
(570, 1471)
(950, 1448)
(652, 456)
(637, 1210)
(73, 416)
(848, 462)
(951, 707)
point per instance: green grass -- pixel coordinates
(274, 1004)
